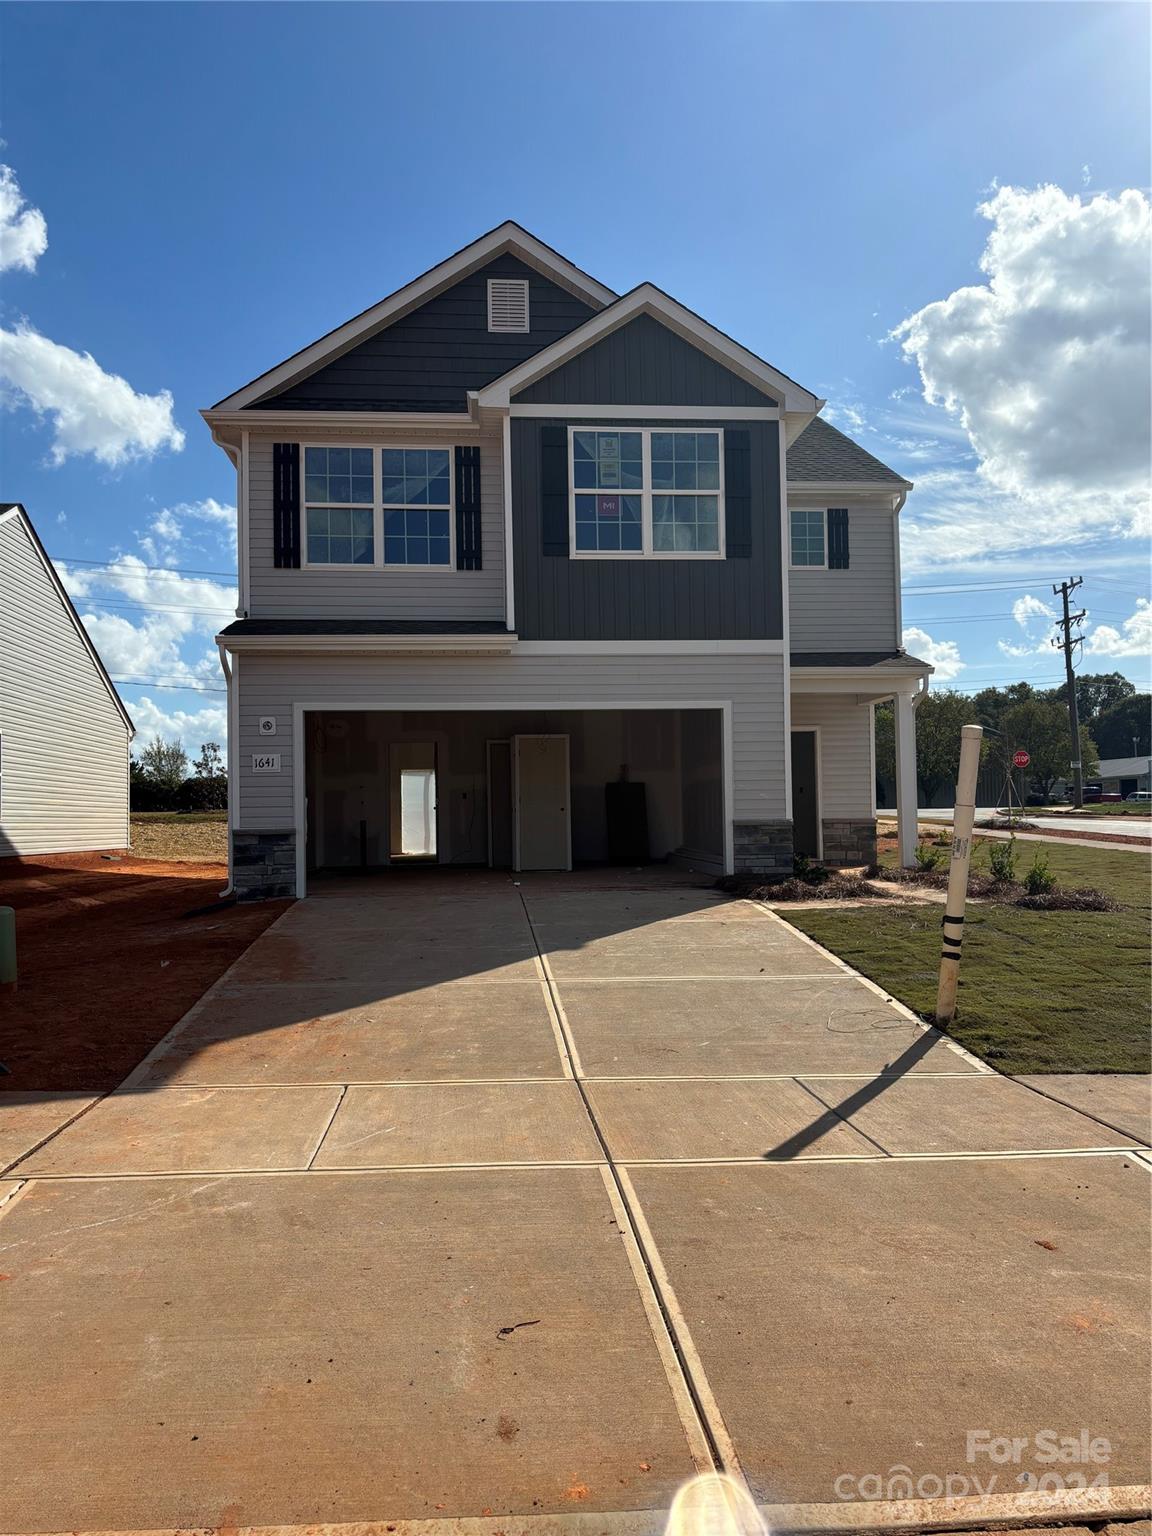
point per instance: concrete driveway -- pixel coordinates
(505, 1208)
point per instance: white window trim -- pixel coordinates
(792, 566)
(379, 507)
(646, 492)
(511, 330)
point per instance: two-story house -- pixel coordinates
(531, 573)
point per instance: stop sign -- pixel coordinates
(1020, 758)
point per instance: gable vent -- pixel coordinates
(508, 304)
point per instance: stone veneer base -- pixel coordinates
(263, 865)
(762, 848)
(849, 842)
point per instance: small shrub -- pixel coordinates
(928, 856)
(810, 874)
(1002, 861)
(1040, 880)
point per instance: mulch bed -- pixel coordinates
(111, 953)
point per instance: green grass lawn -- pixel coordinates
(1039, 991)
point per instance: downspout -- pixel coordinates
(226, 668)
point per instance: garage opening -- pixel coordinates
(512, 789)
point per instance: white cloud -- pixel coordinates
(93, 411)
(1133, 638)
(944, 655)
(168, 532)
(189, 729)
(129, 577)
(1046, 367)
(171, 643)
(1035, 619)
(23, 229)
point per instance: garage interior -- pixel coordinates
(513, 789)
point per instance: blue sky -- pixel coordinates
(197, 190)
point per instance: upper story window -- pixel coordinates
(809, 540)
(646, 493)
(417, 504)
(339, 497)
(373, 507)
(508, 304)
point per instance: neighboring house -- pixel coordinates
(65, 735)
(533, 573)
(1123, 775)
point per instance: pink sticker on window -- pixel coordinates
(607, 506)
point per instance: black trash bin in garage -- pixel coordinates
(626, 822)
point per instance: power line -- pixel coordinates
(983, 618)
(115, 602)
(152, 682)
(1009, 586)
(161, 570)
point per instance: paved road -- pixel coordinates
(1084, 826)
(460, 1201)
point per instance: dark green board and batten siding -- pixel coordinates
(642, 363)
(431, 358)
(563, 598)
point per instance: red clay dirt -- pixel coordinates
(112, 951)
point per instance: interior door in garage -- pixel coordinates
(541, 824)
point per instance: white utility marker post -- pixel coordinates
(953, 920)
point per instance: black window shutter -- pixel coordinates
(837, 538)
(286, 504)
(554, 489)
(469, 556)
(738, 494)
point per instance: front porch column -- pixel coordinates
(906, 789)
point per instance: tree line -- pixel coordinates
(1115, 721)
(163, 778)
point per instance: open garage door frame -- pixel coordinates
(481, 706)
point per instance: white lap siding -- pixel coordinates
(274, 684)
(63, 741)
(845, 752)
(852, 610)
(316, 593)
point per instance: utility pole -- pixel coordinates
(1066, 642)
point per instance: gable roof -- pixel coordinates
(647, 299)
(508, 236)
(823, 455)
(10, 510)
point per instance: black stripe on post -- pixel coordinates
(469, 556)
(738, 494)
(286, 504)
(554, 489)
(837, 538)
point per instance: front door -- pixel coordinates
(540, 824)
(805, 795)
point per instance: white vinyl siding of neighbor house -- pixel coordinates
(63, 738)
(852, 610)
(273, 684)
(398, 593)
(844, 751)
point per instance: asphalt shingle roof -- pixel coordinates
(823, 453)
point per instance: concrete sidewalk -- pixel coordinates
(501, 1208)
